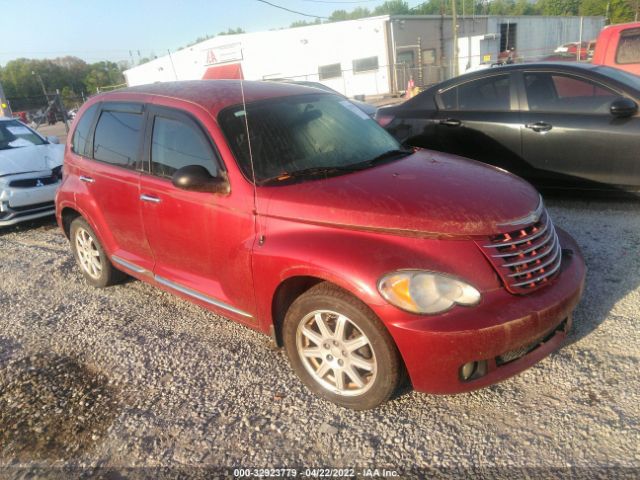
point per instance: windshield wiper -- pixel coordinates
(313, 171)
(307, 172)
(394, 154)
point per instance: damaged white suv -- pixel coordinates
(30, 172)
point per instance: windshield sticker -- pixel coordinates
(19, 130)
(351, 107)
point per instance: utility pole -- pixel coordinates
(44, 90)
(5, 109)
(579, 49)
(454, 26)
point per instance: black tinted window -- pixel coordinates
(365, 64)
(117, 138)
(552, 92)
(491, 94)
(329, 71)
(81, 134)
(176, 145)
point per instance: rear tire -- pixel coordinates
(340, 349)
(91, 257)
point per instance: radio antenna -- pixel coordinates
(253, 171)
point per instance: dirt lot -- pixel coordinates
(134, 377)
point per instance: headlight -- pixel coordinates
(419, 291)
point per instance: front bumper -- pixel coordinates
(508, 332)
(22, 204)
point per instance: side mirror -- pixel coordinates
(623, 107)
(53, 139)
(196, 178)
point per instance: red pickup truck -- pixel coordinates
(619, 46)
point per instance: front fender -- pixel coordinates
(355, 261)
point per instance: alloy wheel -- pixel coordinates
(336, 353)
(88, 253)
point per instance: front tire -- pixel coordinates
(340, 349)
(91, 257)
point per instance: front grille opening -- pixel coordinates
(16, 212)
(527, 258)
(518, 353)
(35, 182)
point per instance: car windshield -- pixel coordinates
(305, 135)
(621, 76)
(14, 134)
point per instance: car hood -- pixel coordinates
(426, 194)
(30, 159)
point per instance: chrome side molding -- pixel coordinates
(129, 265)
(201, 296)
(175, 286)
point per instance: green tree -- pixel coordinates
(304, 23)
(432, 7)
(617, 11)
(338, 16)
(559, 7)
(232, 31)
(103, 74)
(393, 7)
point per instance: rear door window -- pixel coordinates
(555, 92)
(117, 137)
(486, 94)
(175, 144)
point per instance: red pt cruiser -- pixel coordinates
(291, 211)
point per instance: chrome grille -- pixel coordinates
(528, 258)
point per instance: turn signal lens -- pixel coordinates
(419, 291)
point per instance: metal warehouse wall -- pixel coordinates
(538, 36)
(423, 50)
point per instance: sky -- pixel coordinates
(108, 29)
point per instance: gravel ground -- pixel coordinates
(131, 376)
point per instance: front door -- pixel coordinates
(570, 134)
(201, 245)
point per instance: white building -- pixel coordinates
(371, 56)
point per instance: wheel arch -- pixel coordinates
(68, 215)
(295, 285)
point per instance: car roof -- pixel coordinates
(525, 66)
(213, 95)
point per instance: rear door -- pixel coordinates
(108, 160)
(479, 119)
(200, 240)
(570, 134)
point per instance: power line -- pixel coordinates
(292, 11)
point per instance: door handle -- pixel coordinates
(451, 122)
(149, 198)
(86, 179)
(539, 126)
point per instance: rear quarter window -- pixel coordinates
(82, 131)
(628, 50)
